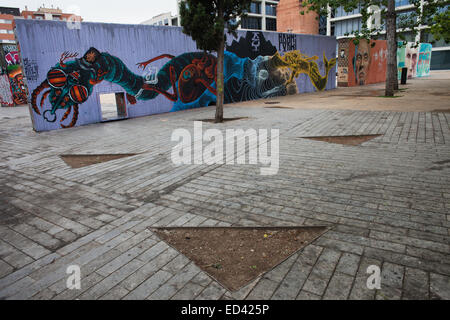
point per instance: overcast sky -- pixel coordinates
(128, 11)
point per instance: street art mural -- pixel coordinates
(411, 60)
(362, 63)
(401, 58)
(13, 69)
(254, 68)
(342, 77)
(423, 64)
(368, 62)
(416, 58)
(18, 87)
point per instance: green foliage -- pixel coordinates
(205, 20)
(440, 28)
(408, 21)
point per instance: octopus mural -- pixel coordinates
(188, 80)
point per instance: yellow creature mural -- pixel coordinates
(300, 63)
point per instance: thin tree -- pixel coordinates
(205, 21)
(391, 37)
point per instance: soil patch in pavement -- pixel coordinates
(345, 140)
(235, 256)
(224, 119)
(83, 160)
(278, 107)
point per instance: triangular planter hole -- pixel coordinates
(235, 256)
(345, 140)
(84, 160)
(278, 107)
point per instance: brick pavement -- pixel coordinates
(387, 201)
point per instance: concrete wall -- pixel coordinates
(257, 65)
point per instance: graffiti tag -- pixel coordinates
(31, 69)
(12, 58)
(255, 41)
(287, 42)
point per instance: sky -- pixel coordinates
(113, 11)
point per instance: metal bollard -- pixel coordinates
(404, 75)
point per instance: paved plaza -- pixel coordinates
(386, 201)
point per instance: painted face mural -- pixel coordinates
(188, 80)
(362, 62)
(411, 61)
(415, 59)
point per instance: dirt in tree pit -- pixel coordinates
(236, 256)
(345, 140)
(80, 160)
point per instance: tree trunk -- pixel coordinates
(220, 84)
(395, 68)
(391, 72)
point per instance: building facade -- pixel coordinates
(261, 16)
(289, 18)
(54, 14)
(7, 16)
(164, 19)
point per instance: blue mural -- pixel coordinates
(67, 88)
(188, 80)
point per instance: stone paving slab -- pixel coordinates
(387, 202)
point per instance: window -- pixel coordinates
(175, 21)
(271, 9)
(253, 23)
(399, 3)
(255, 7)
(323, 25)
(5, 21)
(271, 24)
(340, 12)
(347, 27)
(427, 37)
(166, 22)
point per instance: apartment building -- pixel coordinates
(54, 14)
(7, 16)
(261, 16)
(164, 19)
